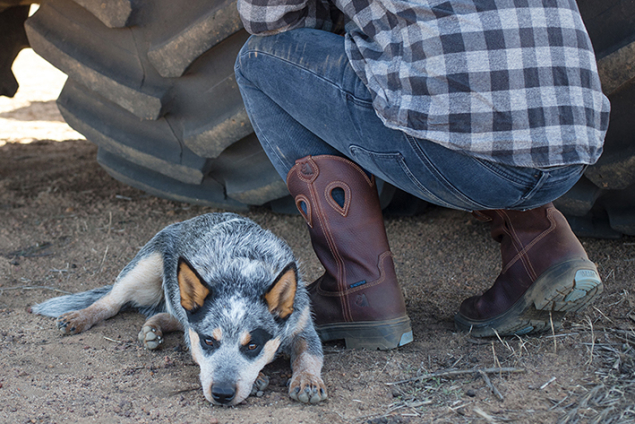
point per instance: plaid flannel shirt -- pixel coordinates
(510, 81)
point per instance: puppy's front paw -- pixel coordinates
(307, 388)
(151, 337)
(72, 323)
(261, 383)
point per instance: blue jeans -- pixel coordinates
(303, 98)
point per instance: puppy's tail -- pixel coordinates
(72, 302)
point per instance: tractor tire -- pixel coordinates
(602, 203)
(12, 40)
(151, 82)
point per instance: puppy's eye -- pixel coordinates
(211, 342)
(252, 346)
(251, 349)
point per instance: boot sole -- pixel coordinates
(566, 287)
(371, 335)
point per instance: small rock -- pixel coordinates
(471, 393)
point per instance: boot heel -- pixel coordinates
(569, 287)
(545, 274)
(382, 335)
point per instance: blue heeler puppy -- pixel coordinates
(232, 288)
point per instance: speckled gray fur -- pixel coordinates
(239, 261)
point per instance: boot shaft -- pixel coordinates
(340, 204)
(533, 240)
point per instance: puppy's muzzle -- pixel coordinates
(223, 393)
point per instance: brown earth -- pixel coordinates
(66, 226)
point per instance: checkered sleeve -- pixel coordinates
(268, 17)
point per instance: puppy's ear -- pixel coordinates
(280, 296)
(193, 290)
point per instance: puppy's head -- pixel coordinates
(234, 329)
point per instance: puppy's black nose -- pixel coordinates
(223, 393)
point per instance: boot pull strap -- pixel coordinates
(304, 207)
(340, 205)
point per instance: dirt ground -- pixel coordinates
(66, 226)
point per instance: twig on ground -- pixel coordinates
(490, 385)
(572, 415)
(553, 333)
(625, 340)
(602, 313)
(559, 403)
(34, 288)
(548, 383)
(592, 341)
(626, 333)
(484, 415)
(504, 343)
(496, 361)
(178, 392)
(521, 346)
(394, 407)
(452, 373)
(561, 335)
(104, 259)
(457, 361)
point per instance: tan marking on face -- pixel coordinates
(270, 349)
(195, 348)
(217, 334)
(248, 374)
(245, 338)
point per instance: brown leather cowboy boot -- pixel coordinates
(358, 298)
(545, 273)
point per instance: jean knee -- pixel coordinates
(240, 65)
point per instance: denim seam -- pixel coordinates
(263, 138)
(460, 196)
(398, 157)
(503, 173)
(318, 76)
(531, 192)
